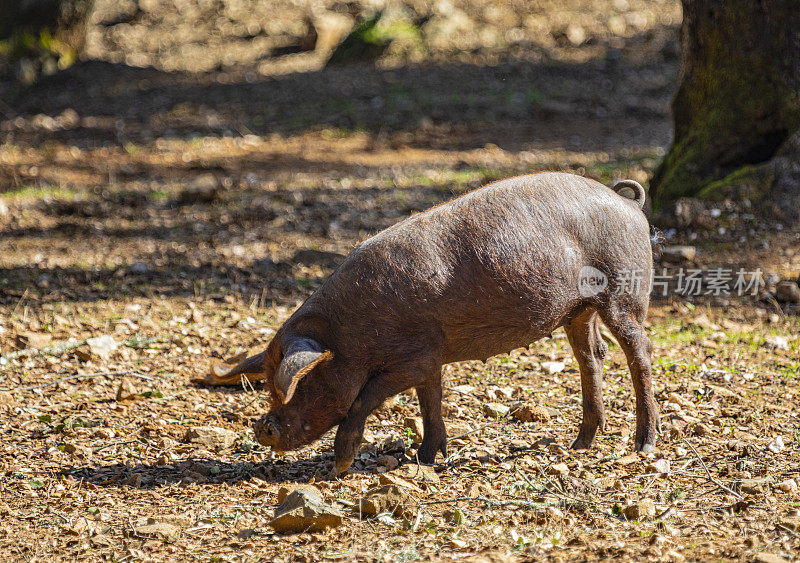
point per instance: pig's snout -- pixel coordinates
(267, 432)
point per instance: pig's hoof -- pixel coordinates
(341, 466)
(645, 448)
(427, 451)
(585, 439)
(582, 444)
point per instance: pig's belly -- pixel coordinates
(478, 340)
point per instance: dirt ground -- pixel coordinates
(185, 215)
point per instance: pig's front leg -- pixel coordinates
(419, 374)
(434, 437)
(351, 429)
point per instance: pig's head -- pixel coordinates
(306, 402)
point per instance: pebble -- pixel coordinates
(304, 511)
(528, 413)
(643, 510)
(414, 424)
(495, 410)
(211, 436)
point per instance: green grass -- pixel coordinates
(32, 192)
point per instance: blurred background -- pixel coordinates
(177, 176)
(239, 149)
(208, 142)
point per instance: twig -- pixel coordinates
(784, 528)
(710, 477)
(666, 514)
(609, 457)
(669, 363)
(520, 503)
(473, 431)
(21, 299)
(122, 443)
(79, 376)
(54, 350)
(59, 348)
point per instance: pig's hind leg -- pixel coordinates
(590, 350)
(625, 323)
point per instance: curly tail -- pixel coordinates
(630, 189)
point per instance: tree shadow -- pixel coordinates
(513, 104)
(124, 198)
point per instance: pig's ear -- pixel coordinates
(302, 356)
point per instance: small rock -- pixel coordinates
(102, 346)
(553, 367)
(765, 557)
(37, 340)
(304, 511)
(702, 430)
(414, 424)
(78, 450)
(679, 253)
(576, 35)
(139, 268)
(753, 486)
(387, 498)
(558, 469)
(157, 530)
(286, 490)
(776, 445)
(643, 510)
(495, 410)
(787, 486)
(211, 436)
(527, 413)
(787, 292)
(246, 533)
(658, 466)
(777, 342)
(6, 398)
(126, 391)
(388, 461)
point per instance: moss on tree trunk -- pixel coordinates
(738, 101)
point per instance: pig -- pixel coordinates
(485, 273)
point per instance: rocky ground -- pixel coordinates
(154, 218)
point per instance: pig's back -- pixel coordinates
(494, 269)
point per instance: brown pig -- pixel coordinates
(488, 272)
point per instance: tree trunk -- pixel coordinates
(737, 109)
